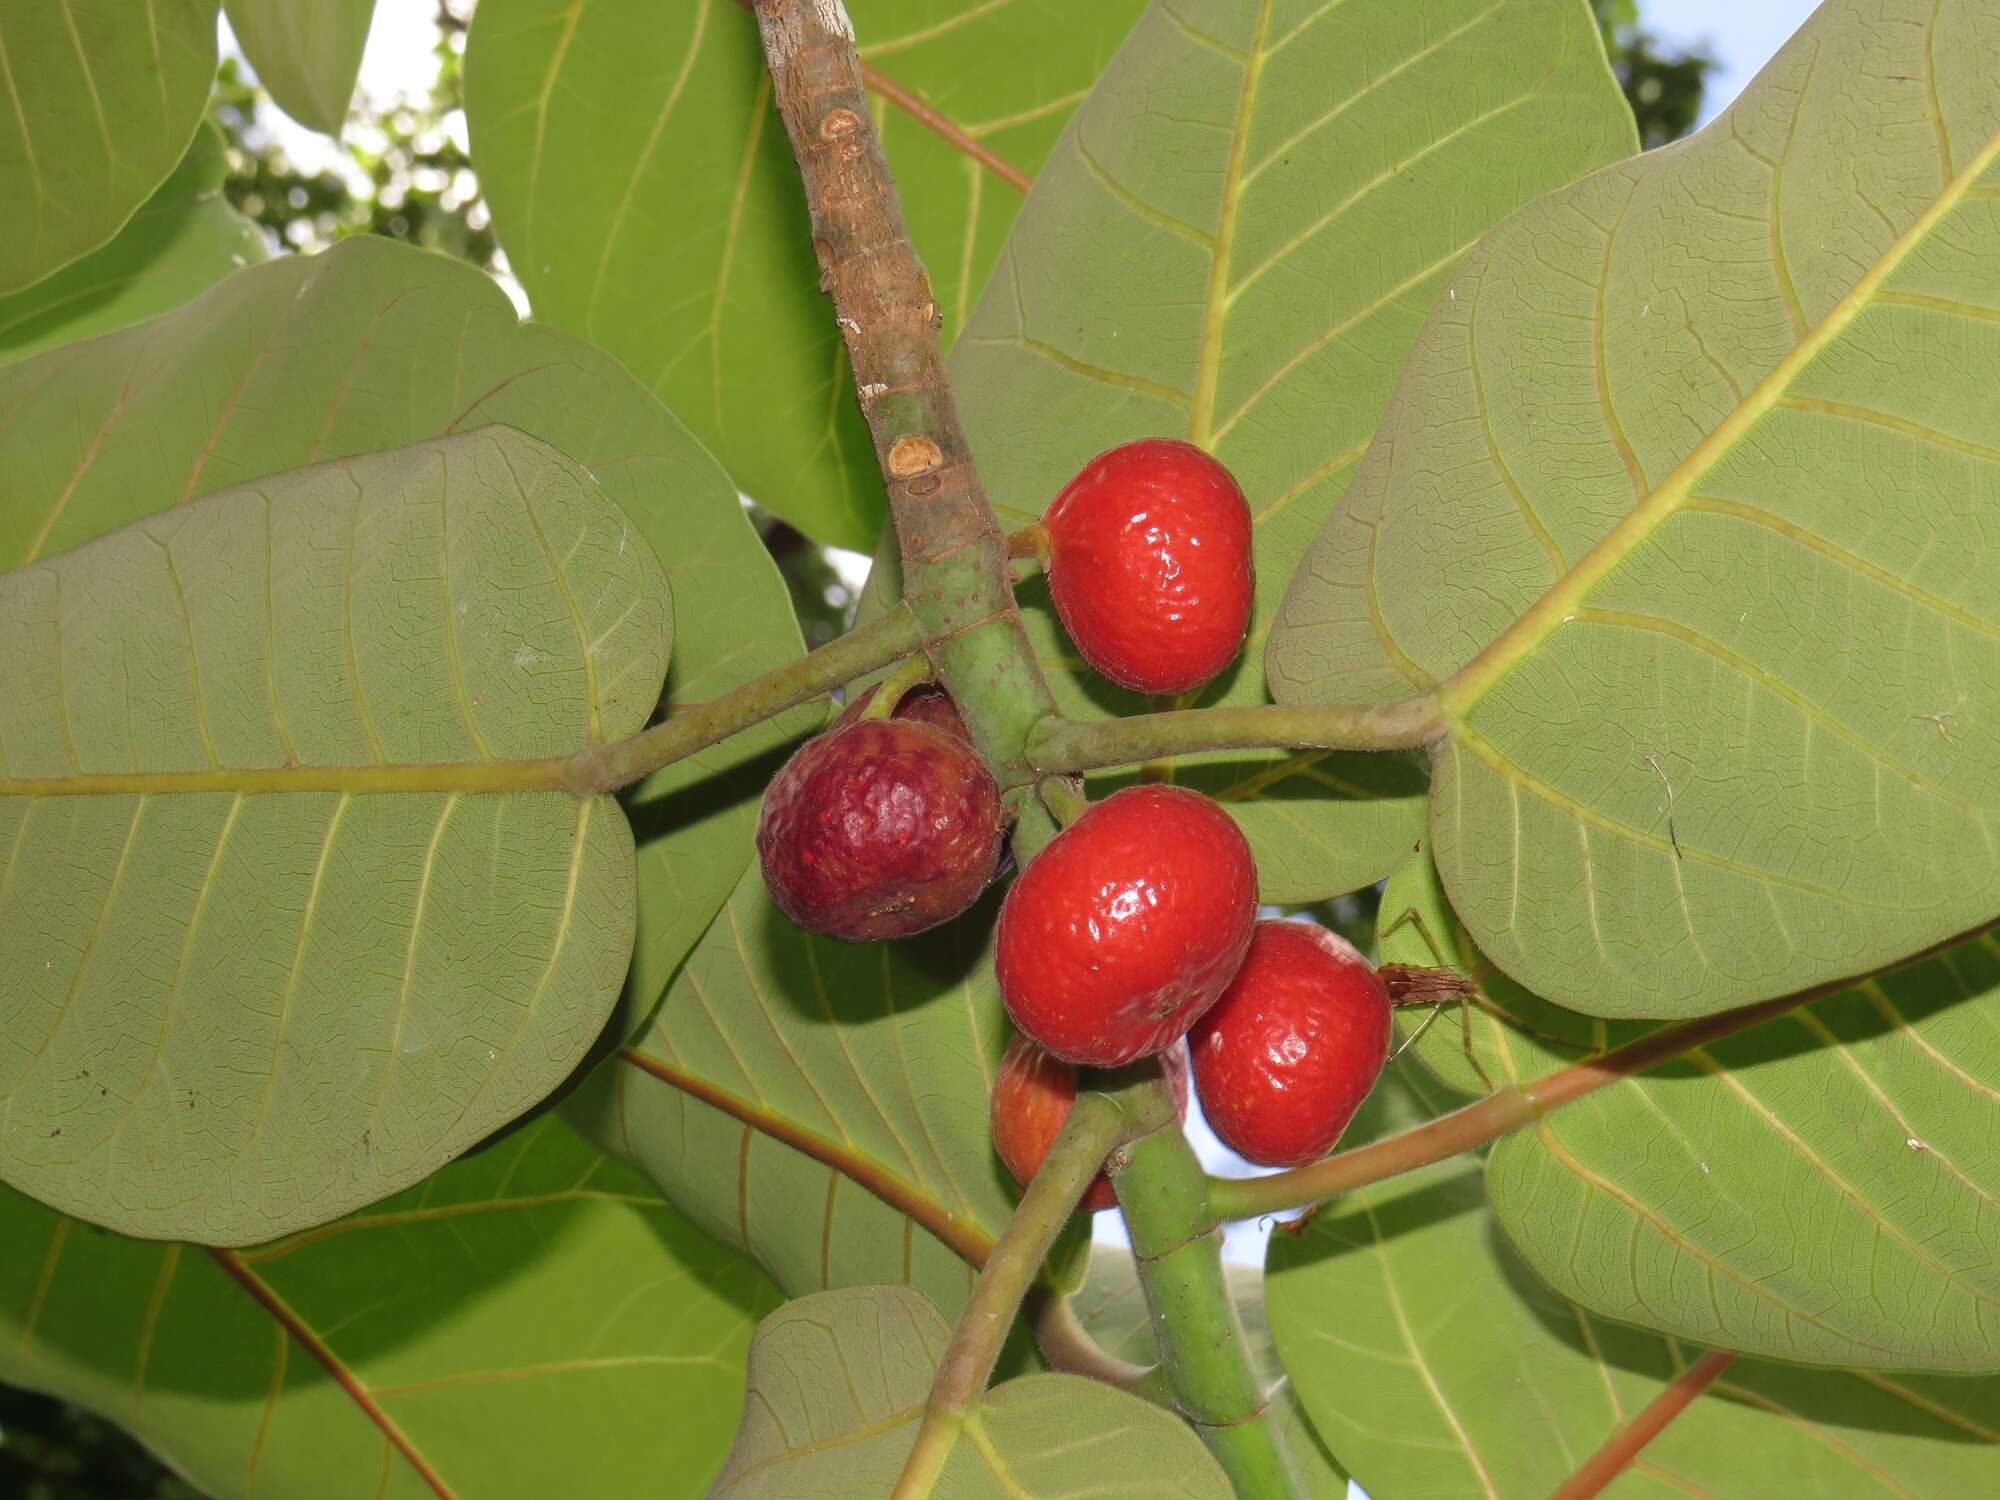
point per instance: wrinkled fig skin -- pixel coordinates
(1127, 926)
(1149, 565)
(878, 829)
(1283, 1060)
(1032, 1096)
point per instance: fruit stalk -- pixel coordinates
(606, 768)
(1094, 1126)
(954, 556)
(1060, 744)
(1178, 1241)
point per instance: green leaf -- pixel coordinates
(1817, 1188)
(307, 53)
(1821, 1188)
(102, 104)
(531, 1321)
(1502, 1035)
(183, 241)
(373, 345)
(647, 197)
(1686, 503)
(837, 1386)
(290, 924)
(1435, 1365)
(822, 1105)
(1234, 243)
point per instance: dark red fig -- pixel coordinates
(1283, 1060)
(1032, 1096)
(879, 828)
(1127, 926)
(1148, 556)
(927, 703)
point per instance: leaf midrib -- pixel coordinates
(1459, 694)
(538, 775)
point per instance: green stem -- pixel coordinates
(1059, 744)
(1068, 1347)
(605, 768)
(1094, 1125)
(1178, 1241)
(954, 558)
(1063, 798)
(890, 691)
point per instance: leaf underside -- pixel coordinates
(881, 1054)
(1234, 243)
(101, 105)
(837, 1386)
(1686, 500)
(1452, 1371)
(307, 53)
(451, 1340)
(643, 186)
(373, 345)
(1819, 1188)
(186, 238)
(277, 949)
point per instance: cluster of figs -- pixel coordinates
(1135, 933)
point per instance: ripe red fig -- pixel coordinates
(927, 703)
(1149, 565)
(1032, 1096)
(1286, 1056)
(879, 828)
(1127, 926)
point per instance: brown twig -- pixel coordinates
(1624, 1445)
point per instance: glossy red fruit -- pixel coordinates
(1032, 1095)
(879, 828)
(1286, 1056)
(1149, 565)
(1127, 926)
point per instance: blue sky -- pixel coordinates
(1743, 34)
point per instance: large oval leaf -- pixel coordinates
(837, 1387)
(373, 345)
(184, 240)
(822, 1105)
(285, 934)
(642, 184)
(1234, 243)
(1686, 499)
(1437, 1366)
(101, 105)
(451, 1341)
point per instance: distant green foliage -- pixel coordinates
(1663, 82)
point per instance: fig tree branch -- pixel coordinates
(605, 768)
(1059, 744)
(1510, 1108)
(1094, 1125)
(954, 556)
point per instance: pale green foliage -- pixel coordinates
(1234, 243)
(234, 1014)
(1437, 1366)
(645, 192)
(467, 1310)
(883, 1053)
(306, 52)
(1690, 464)
(837, 1385)
(184, 240)
(103, 97)
(372, 345)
